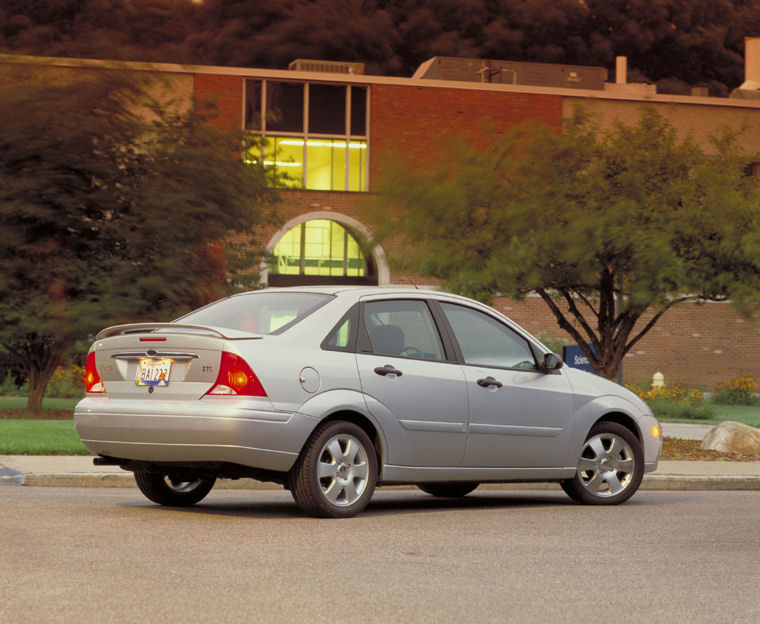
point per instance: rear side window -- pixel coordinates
(403, 328)
(259, 312)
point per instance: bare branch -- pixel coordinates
(653, 321)
(581, 319)
(561, 319)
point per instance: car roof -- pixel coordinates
(358, 291)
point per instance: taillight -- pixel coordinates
(92, 381)
(236, 378)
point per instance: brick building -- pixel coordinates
(328, 131)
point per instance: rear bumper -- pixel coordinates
(207, 430)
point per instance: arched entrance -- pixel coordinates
(324, 248)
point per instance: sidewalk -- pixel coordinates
(78, 471)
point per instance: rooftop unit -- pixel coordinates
(328, 67)
(512, 72)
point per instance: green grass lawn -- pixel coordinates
(13, 402)
(39, 437)
(18, 404)
(747, 414)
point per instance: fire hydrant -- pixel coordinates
(658, 380)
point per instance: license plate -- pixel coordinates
(153, 372)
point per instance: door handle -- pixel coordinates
(388, 369)
(488, 382)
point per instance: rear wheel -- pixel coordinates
(610, 467)
(171, 491)
(448, 489)
(336, 473)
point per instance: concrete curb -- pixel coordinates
(690, 482)
(111, 480)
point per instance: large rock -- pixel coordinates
(733, 437)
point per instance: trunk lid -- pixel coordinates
(163, 361)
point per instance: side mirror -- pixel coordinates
(552, 362)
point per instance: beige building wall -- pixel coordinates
(701, 118)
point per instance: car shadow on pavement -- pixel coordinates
(384, 503)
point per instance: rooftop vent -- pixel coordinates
(327, 67)
(750, 88)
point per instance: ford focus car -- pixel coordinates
(334, 391)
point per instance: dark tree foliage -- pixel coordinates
(672, 42)
(112, 208)
(272, 34)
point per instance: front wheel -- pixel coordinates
(171, 491)
(610, 467)
(336, 473)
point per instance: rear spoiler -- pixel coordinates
(175, 328)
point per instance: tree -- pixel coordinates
(605, 226)
(113, 207)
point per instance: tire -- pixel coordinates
(336, 473)
(610, 467)
(448, 489)
(172, 492)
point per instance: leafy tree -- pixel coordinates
(610, 228)
(112, 208)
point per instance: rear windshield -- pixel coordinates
(258, 312)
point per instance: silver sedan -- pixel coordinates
(334, 391)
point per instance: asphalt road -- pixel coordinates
(107, 555)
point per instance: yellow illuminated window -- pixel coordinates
(319, 247)
(319, 171)
(284, 156)
(357, 165)
(288, 253)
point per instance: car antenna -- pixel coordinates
(410, 280)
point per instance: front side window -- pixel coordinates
(484, 341)
(308, 135)
(403, 328)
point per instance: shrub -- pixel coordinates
(679, 401)
(665, 409)
(679, 393)
(9, 387)
(66, 382)
(735, 392)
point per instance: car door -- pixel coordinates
(412, 385)
(518, 416)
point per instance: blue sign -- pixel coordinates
(573, 357)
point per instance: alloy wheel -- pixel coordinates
(607, 465)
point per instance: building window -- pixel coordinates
(308, 135)
(320, 251)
